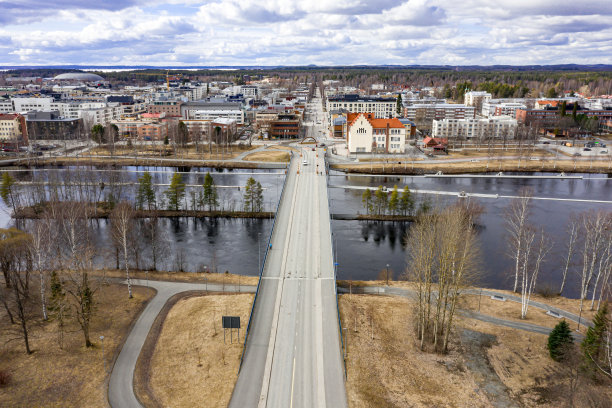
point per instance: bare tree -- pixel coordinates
(572, 234)
(533, 255)
(122, 218)
(39, 245)
(444, 255)
(517, 219)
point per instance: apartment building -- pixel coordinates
(437, 111)
(379, 107)
(13, 128)
(210, 110)
(367, 134)
(24, 105)
(170, 108)
(476, 99)
(496, 127)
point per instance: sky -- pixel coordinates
(304, 32)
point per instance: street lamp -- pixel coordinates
(387, 274)
(103, 359)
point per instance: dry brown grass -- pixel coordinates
(473, 152)
(274, 155)
(168, 152)
(227, 278)
(389, 370)
(149, 161)
(191, 366)
(74, 376)
(602, 166)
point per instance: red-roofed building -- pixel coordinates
(367, 134)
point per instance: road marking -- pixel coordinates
(292, 382)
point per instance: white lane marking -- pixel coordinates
(292, 382)
(319, 344)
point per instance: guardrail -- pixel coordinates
(335, 270)
(246, 336)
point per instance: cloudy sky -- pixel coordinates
(302, 32)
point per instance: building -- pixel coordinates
(508, 109)
(422, 113)
(286, 126)
(13, 128)
(495, 127)
(170, 108)
(25, 105)
(210, 110)
(476, 99)
(153, 131)
(50, 126)
(528, 116)
(367, 134)
(379, 107)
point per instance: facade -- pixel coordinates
(210, 110)
(170, 108)
(367, 134)
(508, 109)
(476, 99)
(528, 116)
(437, 111)
(50, 126)
(496, 127)
(379, 107)
(24, 105)
(152, 131)
(13, 128)
(286, 126)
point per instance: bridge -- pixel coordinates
(293, 350)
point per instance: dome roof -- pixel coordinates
(79, 76)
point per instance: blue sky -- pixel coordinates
(290, 32)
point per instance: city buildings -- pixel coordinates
(379, 107)
(13, 128)
(470, 128)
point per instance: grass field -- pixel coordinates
(74, 375)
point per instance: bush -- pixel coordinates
(559, 340)
(5, 378)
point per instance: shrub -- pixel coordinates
(5, 378)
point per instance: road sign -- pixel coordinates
(231, 322)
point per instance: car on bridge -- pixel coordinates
(305, 162)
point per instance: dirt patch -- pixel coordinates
(271, 155)
(73, 376)
(191, 365)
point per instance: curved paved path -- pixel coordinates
(121, 383)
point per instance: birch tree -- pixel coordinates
(517, 219)
(535, 250)
(39, 245)
(572, 235)
(122, 222)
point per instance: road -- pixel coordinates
(121, 383)
(293, 353)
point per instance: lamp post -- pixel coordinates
(387, 274)
(103, 359)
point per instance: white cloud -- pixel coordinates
(250, 32)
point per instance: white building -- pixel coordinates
(381, 107)
(496, 127)
(476, 98)
(32, 104)
(209, 115)
(366, 134)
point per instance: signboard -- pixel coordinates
(231, 322)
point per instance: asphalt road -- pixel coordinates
(293, 354)
(121, 383)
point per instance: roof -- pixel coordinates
(9, 116)
(376, 123)
(78, 76)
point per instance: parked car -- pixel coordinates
(604, 152)
(305, 163)
(545, 142)
(587, 149)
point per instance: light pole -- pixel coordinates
(103, 359)
(387, 274)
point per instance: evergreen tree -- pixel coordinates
(258, 197)
(563, 108)
(574, 110)
(145, 193)
(380, 201)
(249, 195)
(594, 342)
(166, 140)
(175, 192)
(559, 339)
(7, 191)
(394, 201)
(210, 196)
(366, 199)
(97, 133)
(406, 204)
(399, 107)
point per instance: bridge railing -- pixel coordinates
(333, 249)
(246, 336)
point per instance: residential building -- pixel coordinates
(170, 108)
(212, 109)
(495, 127)
(379, 107)
(286, 126)
(153, 131)
(13, 128)
(367, 134)
(51, 126)
(428, 112)
(528, 116)
(25, 105)
(476, 99)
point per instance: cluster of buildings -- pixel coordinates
(69, 105)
